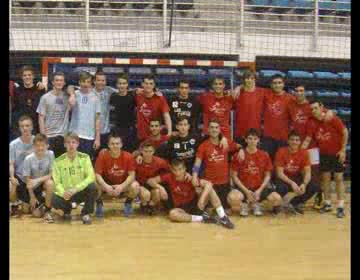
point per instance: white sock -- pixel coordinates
(341, 203)
(286, 200)
(196, 219)
(220, 211)
(327, 202)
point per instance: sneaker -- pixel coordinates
(73, 205)
(207, 219)
(340, 212)
(67, 217)
(82, 204)
(299, 209)
(86, 219)
(318, 200)
(147, 210)
(291, 209)
(48, 218)
(99, 212)
(225, 222)
(276, 210)
(128, 210)
(326, 208)
(257, 210)
(244, 212)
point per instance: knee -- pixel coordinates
(92, 188)
(145, 194)
(275, 199)
(26, 208)
(235, 197)
(173, 215)
(49, 185)
(338, 178)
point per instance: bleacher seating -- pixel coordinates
(299, 74)
(324, 75)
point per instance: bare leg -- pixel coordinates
(180, 216)
(234, 199)
(325, 185)
(340, 189)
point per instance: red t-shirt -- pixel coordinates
(182, 192)
(328, 135)
(216, 161)
(114, 170)
(147, 109)
(248, 109)
(300, 114)
(216, 108)
(277, 115)
(145, 171)
(156, 143)
(293, 163)
(251, 170)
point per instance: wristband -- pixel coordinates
(196, 169)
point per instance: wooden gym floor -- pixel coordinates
(309, 247)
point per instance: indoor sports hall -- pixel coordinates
(303, 43)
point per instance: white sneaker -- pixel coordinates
(257, 210)
(244, 211)
(73, 205)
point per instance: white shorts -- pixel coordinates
(314, 156)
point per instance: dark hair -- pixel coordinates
(25, 118)
(182, 118)
(114, 134)
(100, 73)
(40, 138)
(177, 162)
(147, 144)
(149, 77)
(84, 76)
(123, 76)
(253, 132)
(58, 73)
(217, 78)
(27, 68)
(213, 121)
(277, 76)
(316, 101)
(248, 74)
(155, 120)
(293, 133)
(183, 81)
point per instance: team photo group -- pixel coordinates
(183, 155)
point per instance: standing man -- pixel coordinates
(104, 93)
(54, 113)
(184, 105)
(85, 118)
(217, 105)
(74, 180)
(293, 172)
(115, 174)
(20, 148)
(331, 137)
(150, 105)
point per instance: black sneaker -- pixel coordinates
(207, 219)
(298, 209)
(340, 212)
(225, 222)
(148, 210)
(318, 200)
(86, 219)
(276, 210)
(67, 218)
(326, 208)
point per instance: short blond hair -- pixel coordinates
(71, 135)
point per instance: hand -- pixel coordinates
(169, 134)
(188, 177)
(163, 194)
(241, 155)
(302, 188)
(30, 184)
(40, 86)
(195, 181)
(108, 189)
(14, 181)
(224, 144)
(250, 196)
(96, 143)
(236, 92)
(139, 159)
(329, 115)
(68, 195)
(341, 155)
(118, 190)
(257, 195)
(295, 188)
(33, 202)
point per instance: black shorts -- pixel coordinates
(223, 191)
(22, 192)
(264, 194)
(190, 207)
(330, 164)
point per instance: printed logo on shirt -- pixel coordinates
(217, 109)
(176, 145)
(291, 167)
(115, 171)
(275, 108)
(322, 135)
(300, 117)
(84, 100)
(189, 105)
(175, 104)
(251, 168)
(145, 110)
(192, 141)
(179, 191)
(216, 157)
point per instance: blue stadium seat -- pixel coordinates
(166, 81)
(343, 7)
(324, 75)
(140, 70)
(299, 74)
(344, 111)
(226, 73)
(167, 71)
(346, 94)
(327, 7)
(345, 75)
(303, 6)
(282, 6)
(194, 71)
(270, 73)
(309, 93)
(262, 5)
(327, 93)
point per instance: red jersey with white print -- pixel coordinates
(156, 142)
(114, 170)
(182, 192)
(277, 115)
(251, 170)
(144, 171)
(216, 162)
(147, 109)
(300, 114)
(216, 108)
(327, 134)
(248, 110)
(293, 163)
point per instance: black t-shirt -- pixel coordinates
(181, 148)
(122, 110)
(189, 108)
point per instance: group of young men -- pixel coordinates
(99, 141)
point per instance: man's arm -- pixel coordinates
(72, 97)
(56, 176)
(97, 131)
(195, 172)
(281, 175)
(307, 175)
(342, 153)
(130, 178)
(42, 123)
(265, 181)
(168, 124)
(100, 180)
(306, 142)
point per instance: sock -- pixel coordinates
(196, 219)
(220, 211)
(99, 201)
(286, 200)
(327, 202)
(47, 209)
(128, 200)
(341, 203)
